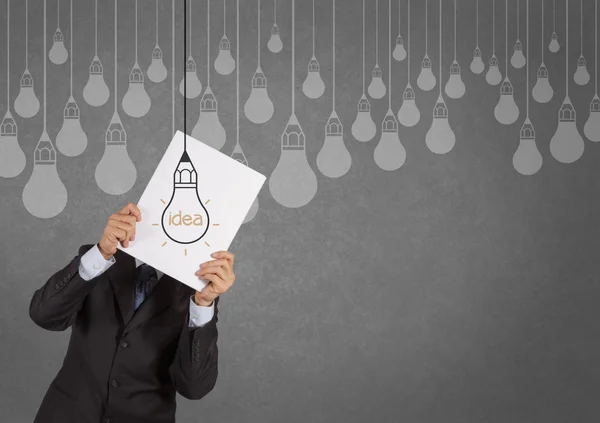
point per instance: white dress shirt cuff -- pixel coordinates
(93, 264)
(200, 315)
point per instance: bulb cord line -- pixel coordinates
(506, 39)
(275, 12)
(363, 46)
(8, 55)
(581, 26)
(543, 23)
(185, 73)
(71, 50)
(426, 26)
(333, 57)
(567, 48)
(554, 16)
(377, 32)
(493, 27)
(156, 33)
(258, 34)
(399, 17)
(58, 13)
(313, 27)
(596, 47)
(207, 43)
(408, 44)
(237, 72)
(293, 55)
(185, 23)
(477, 24)
(224, 17)
(390, 53)
(27, 34)
(440, 59)
(44, 56)
(454, 29)
(96, 28)
(136, 30)
(173, 66)
(518, 19)
(116, 22)
(527, 62)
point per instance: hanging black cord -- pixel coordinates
(184, 75)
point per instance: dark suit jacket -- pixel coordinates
(123, 366)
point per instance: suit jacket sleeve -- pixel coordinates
(194, 369)
(54, 306)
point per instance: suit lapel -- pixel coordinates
(122, 280)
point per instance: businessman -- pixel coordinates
(137, 337)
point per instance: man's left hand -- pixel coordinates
(220, 277)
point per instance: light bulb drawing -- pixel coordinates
(237, 153)
(426, 80)
(567, 145)
(313, 86)
(136, 101)
(493, 75)
(96, 92)
(507, 110)
(408, 114)
(591, 128)
(275, 45)
(542, 91)
(334, 160)
(208, 129)
(259, 107)
(399, 50)
(224, 63)
(44, 195)
(58, 53)
(157, 72)
(71, 140)
(376, 88)
(518, 59)
(455, 87)
(554, 46)
(191, 87)
(440, 138)
(27, 104)
(581, 76)
(12, 157)
(527, 160)
(115, 173)
(293, 183)
(363, 127)
(477, 66)
(389, 153)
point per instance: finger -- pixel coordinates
(129, 229)
(220, 262)
(225, 255)
(118, 234)
(133, 210)
(124, 218)
(218, 285)
(216, 270)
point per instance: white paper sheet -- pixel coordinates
(226, 189)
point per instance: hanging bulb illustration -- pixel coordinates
(313, 86)
(185, 200)
(58, 53)
(527, 160)
(193, 85)
(224, 63)
(399, 51)
(27, 104)
(440, 138)
(506, 111)
(115, 173)
(12, 157)
(334, 159)
(426, 80)
(581, 76)
(542, 91)
(259, 107)
(518, 59)
(44, 195)
(477, 65)
(71, 140)
(239, 155)
(293, 183)
(95, 92)
(554, 46)
(136, 102)
(455, 87)
(567, 145)
(408, 114)
(376, 88)
(208, 129)
(390, 153)
(157, 72)
(493, 75)
(591, 128)
(363, 128)
(275, 45)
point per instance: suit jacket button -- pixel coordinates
(107, 420)
(124, 344)
(114, 383)
(56, 286)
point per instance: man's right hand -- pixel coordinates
(120, 228)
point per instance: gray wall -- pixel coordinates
(451, 290)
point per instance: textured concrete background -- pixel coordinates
(452, 290)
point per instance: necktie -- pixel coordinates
(146, 280)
